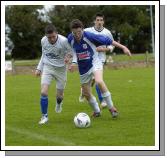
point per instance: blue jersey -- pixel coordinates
(85, 50)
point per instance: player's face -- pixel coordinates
(52, 37)
(77, 33)
(99, 22)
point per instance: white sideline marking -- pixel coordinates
(39, 136)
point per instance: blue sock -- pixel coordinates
(44, 105)
(99, 93)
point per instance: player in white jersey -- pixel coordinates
(99, 28)
(56, 52)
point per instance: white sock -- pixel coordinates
(94, 104)
(107, 97)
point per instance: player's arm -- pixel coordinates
(39, 68)
(124, 48)
(73, 65)
(98, 40)
(109, 48)
(69, 54)
(105, 49)
(116, 44)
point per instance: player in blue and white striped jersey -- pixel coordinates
(85, 55)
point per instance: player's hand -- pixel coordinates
(67, 58)
(37, 73)
(127, 51)
(72, 67)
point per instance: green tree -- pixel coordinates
(26, 30)
(131, 23)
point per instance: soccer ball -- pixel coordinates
(82, 120)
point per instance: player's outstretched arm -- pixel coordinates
(124, 48)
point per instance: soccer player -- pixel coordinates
(56, 52)
(84, 48)
(99, 28)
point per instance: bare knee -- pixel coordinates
(99, 82)
(44, 90)
(86, 94)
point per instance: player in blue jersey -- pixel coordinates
(85, 55)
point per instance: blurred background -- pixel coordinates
(132, 26)
(130, 79)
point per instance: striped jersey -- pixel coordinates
(85, 53)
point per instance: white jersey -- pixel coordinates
(104, 31)
(53, 54)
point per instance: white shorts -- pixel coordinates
(102, 57)
(87, 77)
(58, 73)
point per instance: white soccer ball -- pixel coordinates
(82, 120)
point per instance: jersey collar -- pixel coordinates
(99, 30)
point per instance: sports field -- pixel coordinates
(132, 91)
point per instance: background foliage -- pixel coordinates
(130, 25)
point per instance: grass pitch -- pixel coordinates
(132, 91)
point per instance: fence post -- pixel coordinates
(147, 57)
(13, 67)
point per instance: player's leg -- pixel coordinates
(98, 74)
(61, 79)
(59, 100)
(44, 103)
(81, 97)
(86, 90)
(99, 93)
(102, 57)
(45, 82)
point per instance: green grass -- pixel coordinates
(132, 91)
(26, 62)
(134, 57)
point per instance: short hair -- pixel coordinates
(50, 29)
(98, 15)
(76, 23)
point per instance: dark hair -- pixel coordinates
(76, 23)
(50, 29)
(98, 15)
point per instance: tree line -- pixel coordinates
(25, 25)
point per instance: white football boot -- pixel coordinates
(44, 120)
(103, 104)
(58, 107)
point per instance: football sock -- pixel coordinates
(44, 104)
(107, 97)
(99, 93)
(59, 100)
(94, 104)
